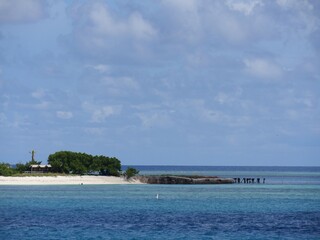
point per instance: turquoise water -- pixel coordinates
(237, 211)
(181, 212)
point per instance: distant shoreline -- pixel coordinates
(65, 180)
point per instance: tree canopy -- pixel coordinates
(69, 162)
(130, 172)
(81, 163)
(6, 170)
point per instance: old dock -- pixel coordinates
(247, 180)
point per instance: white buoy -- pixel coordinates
(157, 196)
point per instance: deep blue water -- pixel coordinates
(237, 211)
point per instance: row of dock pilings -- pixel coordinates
(249, 180)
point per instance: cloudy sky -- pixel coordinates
(175, 82)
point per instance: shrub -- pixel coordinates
(6, 170)
(130, 172)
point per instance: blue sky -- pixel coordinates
(183, 82)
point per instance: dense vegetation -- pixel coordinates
(82, 163)
(130, 172)
(21, 168)
(7, 170)
(67, 162)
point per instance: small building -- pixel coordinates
(40, 168)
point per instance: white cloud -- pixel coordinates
(182, 5)
(196, 21)
(223, 118)
(245, 7)
(101, 113)
(64, 115)
(262, 68)
(186, 23)
(283, 3)
(294, 99)
(219, 21)
(231, 97)
(204, 21)
(287, 4)
(223, 98)
(292, 114)
(102, 68)
(231, 28)
(98, 28)
(199, 49)
(139, 27)
(155, 119)
(146, 106)
(20, 11)
(303, 16)
(39, 93)
(154, 115)
(198, 109)
(119, 85)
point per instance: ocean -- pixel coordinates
(287, 206)
(272, 175)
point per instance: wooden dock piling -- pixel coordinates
(246, 180)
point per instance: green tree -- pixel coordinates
(82, 163)
(130, 172)
(32, 162)
(6, 170)
(20, 167)
(59, 161)
(106, 165)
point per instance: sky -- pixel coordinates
(168, 82)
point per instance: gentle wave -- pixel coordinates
(181, 212)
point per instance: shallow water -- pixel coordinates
(182, 212)
(272, 175)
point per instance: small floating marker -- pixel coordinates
(157, 196)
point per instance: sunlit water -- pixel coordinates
(237, 211)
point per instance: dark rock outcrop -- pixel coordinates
(153, 179)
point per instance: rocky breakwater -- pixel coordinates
(153, 179)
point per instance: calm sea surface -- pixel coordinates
(286, 207)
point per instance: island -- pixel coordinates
(66, 167)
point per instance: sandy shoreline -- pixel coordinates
(64, 180)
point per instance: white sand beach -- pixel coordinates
(65, 180)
